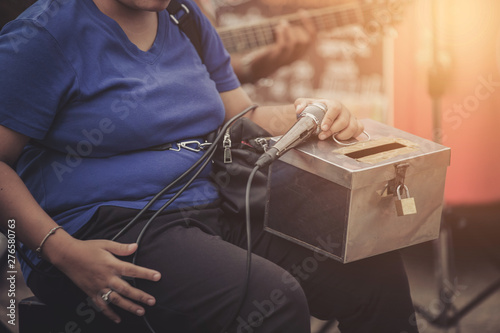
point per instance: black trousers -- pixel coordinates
(203, 263)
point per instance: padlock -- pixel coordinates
(407, 205)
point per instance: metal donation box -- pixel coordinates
(354, 201)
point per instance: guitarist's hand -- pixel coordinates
(291, 43)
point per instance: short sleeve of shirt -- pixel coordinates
(215, 56)
(35, 78)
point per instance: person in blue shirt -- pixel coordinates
(89, 90)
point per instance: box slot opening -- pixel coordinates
(375, 150)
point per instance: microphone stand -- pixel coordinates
(448, 316)
(443, 246)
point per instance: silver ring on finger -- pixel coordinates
(105, 297)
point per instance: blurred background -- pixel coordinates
(428, 67)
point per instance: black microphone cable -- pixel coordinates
(249, 248)
(248, 258)
(210, 150)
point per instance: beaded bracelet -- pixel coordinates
(51, 232)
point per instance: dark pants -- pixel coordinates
(203, 270)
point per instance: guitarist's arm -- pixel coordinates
(292, 41)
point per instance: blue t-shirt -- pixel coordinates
(93, 102)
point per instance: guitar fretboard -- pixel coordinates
(247, 37)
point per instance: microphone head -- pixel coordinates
(316, 111)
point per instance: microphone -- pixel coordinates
(308, 123)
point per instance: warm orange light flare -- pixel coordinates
(468, 43)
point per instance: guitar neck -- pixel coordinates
(248, 37)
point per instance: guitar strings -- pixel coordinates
(250, 36)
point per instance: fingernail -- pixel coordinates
(324, 127)
(139, 312)
(156, 276)
(151, 301)
(117, 320)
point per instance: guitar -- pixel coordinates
(251, 36)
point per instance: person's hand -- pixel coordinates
(338, 122)
(291, 42)
(93, 267)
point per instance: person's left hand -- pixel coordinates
(338, 122)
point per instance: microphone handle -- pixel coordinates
(308, 123)
(300, 132)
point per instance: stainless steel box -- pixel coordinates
(340, 200)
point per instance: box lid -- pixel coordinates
(369, 159)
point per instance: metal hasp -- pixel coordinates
(399, 179)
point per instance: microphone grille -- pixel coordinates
(316, 111)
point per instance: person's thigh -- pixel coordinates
(369, 295)
(203, 282)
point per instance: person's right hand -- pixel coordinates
(93, 267)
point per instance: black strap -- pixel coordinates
(180, 14)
